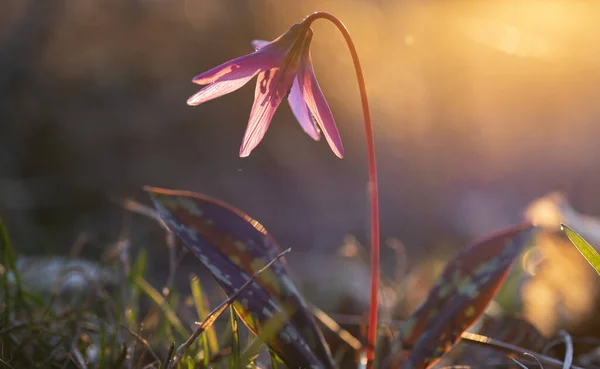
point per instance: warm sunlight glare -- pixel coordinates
(538, 28)
(507, 38)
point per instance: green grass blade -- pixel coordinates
(137, 271)
(102, 347)
(271, 327)
(209, 339)
(6, 308)
(588, 252)
(139, 266)
(8, 255)
(172, 301)
(275, 361)
(234, 358)
(8, 262)
(162, 303)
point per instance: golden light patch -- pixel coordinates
(235, 259)
(470, 311)
(269, 280)
(258, 263)
(259, 227)
(267, 277)
(240, 246)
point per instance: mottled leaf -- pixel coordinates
(589, 253)
(458, 298)
(233, 247)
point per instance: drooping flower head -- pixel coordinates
(284, 68)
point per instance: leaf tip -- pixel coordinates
(156, 192)
(150, 189)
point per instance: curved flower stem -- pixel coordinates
(373, 187)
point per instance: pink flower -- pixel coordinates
(284, 67)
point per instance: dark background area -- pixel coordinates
(479, 108)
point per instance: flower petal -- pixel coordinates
(258, 44)
(301, 111)
(270, 55)
(317, 104)
(216, 89)
(242, 67)
(271, 87)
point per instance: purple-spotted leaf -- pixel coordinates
(458, 298)
(233, 247)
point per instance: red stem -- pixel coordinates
(373, 187)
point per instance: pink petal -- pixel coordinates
(258, 44)
(271, 88)
(216, 89)
(318, 105)
(301, 111)
(242, 67)
(269, 55)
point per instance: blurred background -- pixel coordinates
(479, 108)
